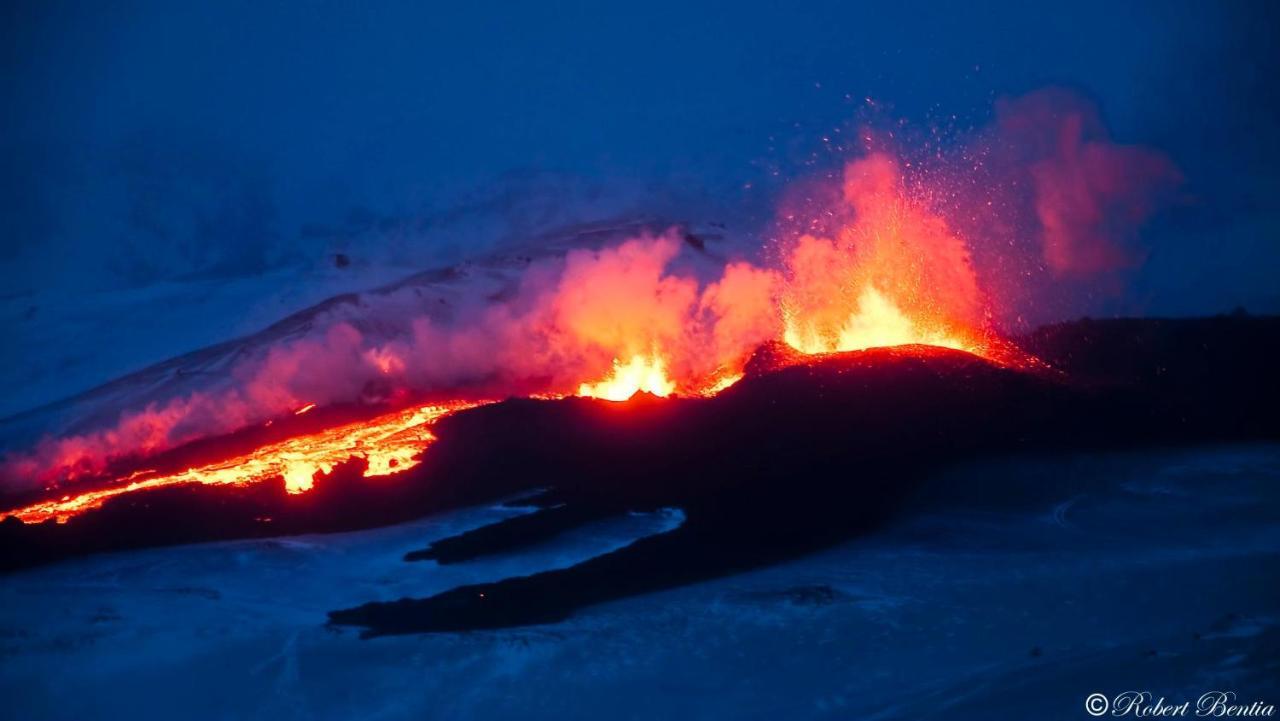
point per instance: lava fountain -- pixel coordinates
(641, 373)
(892, 274)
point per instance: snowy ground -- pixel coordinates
(1014, 590)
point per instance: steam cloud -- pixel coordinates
(1092, 196)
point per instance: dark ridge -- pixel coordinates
(1165, 353)
(510, 534)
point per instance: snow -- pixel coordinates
(1013, 589)
(103, 352)
(67, 343)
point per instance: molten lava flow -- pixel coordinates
(642, 373)
(389, 444)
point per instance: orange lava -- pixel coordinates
(875, 323)
(389, 444)
(641, 373)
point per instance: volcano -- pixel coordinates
(804, 452)
(778, 405)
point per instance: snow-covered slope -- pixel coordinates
(208, 327)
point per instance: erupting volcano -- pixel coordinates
(782, 405)
(604, 323)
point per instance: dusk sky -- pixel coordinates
(144, 141)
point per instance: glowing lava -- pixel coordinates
(641, 373)
(389, 444)
(876, 323)
(890, 272)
